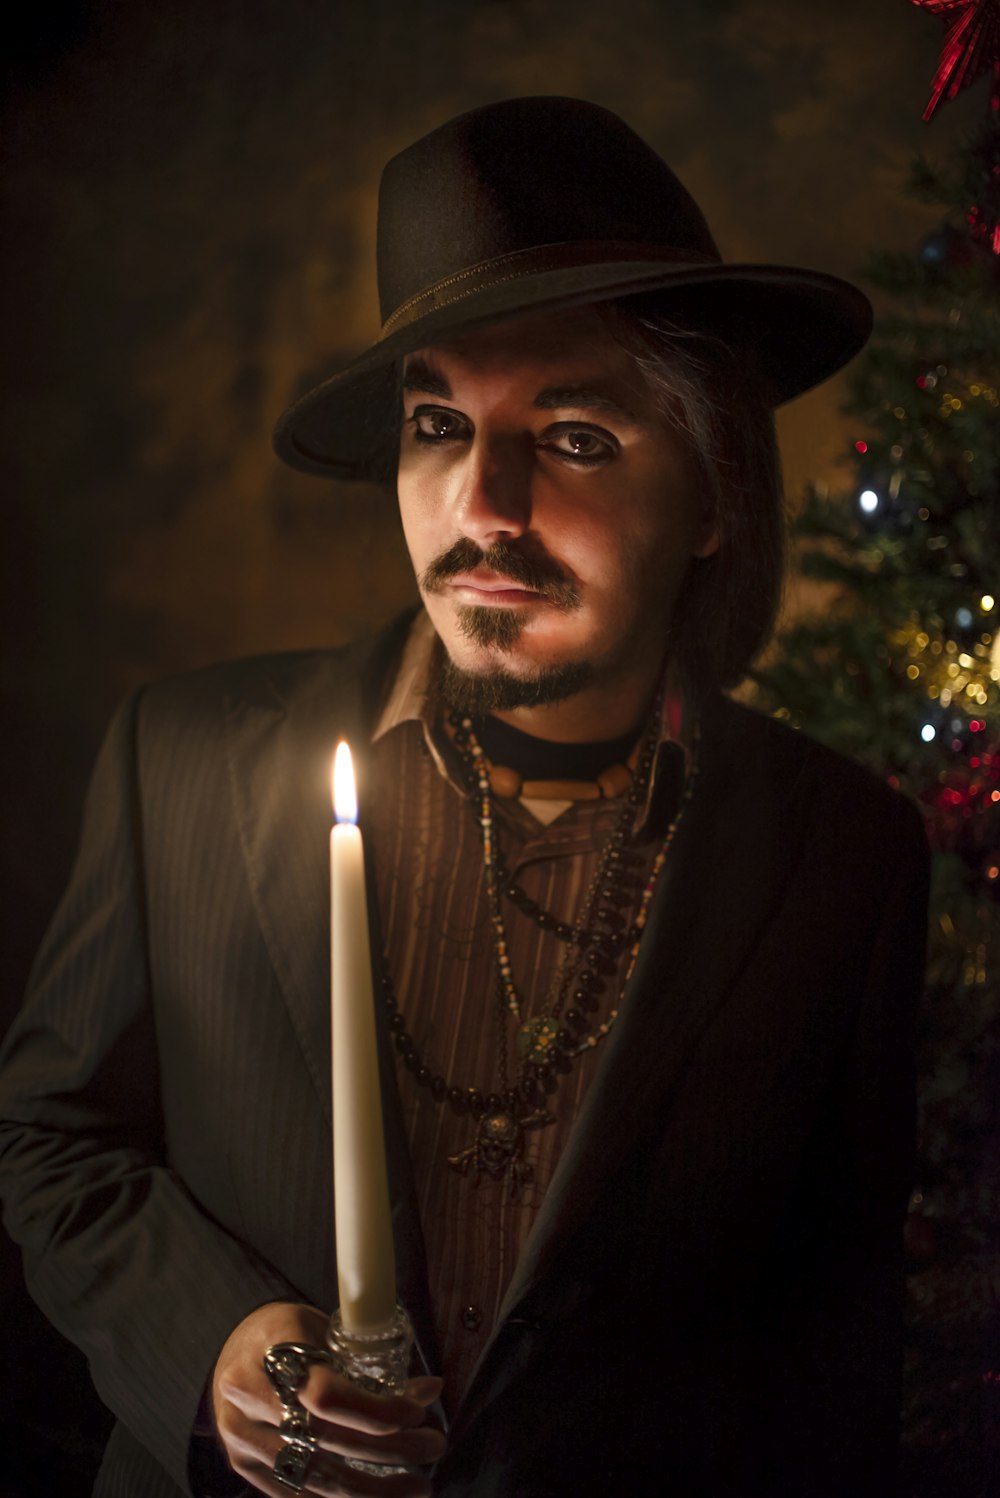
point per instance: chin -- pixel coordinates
(477, 678)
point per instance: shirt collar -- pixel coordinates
(408, 701)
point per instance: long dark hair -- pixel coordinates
(729, 602)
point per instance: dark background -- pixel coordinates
(189, 215)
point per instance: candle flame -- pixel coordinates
(345, 799)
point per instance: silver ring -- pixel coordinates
(287, 1367)
(296, 1425)
(291, 1465)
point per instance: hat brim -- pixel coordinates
(796, 327)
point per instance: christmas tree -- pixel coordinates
(902, 671)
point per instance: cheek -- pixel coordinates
(648, 556)
(416, 514)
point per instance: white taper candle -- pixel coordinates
(366, 1269)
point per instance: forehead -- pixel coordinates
(577, 342)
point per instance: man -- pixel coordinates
(647, 960)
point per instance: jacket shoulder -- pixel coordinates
(825, 778)
(354, 674)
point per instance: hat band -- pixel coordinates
(521, 263)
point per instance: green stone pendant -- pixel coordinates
(535, 1037)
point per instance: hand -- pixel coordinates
(347, 1421)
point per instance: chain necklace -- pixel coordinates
(549, 1043)
(537, 1038)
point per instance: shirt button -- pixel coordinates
(472, 1318)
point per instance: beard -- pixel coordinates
(498, 629)
(474, 693)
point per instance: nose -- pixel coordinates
(492, 495)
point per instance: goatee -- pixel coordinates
(473, 693)
(497, 628)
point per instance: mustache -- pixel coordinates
(539, 574)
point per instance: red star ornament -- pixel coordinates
(971, 47)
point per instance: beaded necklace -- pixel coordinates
(549, 1043)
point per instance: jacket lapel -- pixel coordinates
(280, 744)
(283, 720)
(724, 876)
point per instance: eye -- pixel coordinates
(437, 424)
(581, 445)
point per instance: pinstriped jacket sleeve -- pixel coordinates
(117, 1251)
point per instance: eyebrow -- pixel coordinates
(584, 397)
(420, 378)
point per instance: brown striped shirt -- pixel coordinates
(440, 948)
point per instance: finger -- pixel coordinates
(413, 1448)
(254, 1452)
(253, 1448)
(334, 1398)
(247, 1384)
(339, 1481)
(335, 1479)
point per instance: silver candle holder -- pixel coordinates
(378, 1362)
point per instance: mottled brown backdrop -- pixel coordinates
(189, 195)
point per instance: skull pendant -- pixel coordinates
(499, 1148)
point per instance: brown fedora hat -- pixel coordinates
(536, 204)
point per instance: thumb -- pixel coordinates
(423, 1390)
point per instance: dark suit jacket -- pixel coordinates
(709, 1303)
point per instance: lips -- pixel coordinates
(481, 585)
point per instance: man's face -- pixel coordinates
(550, 511)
